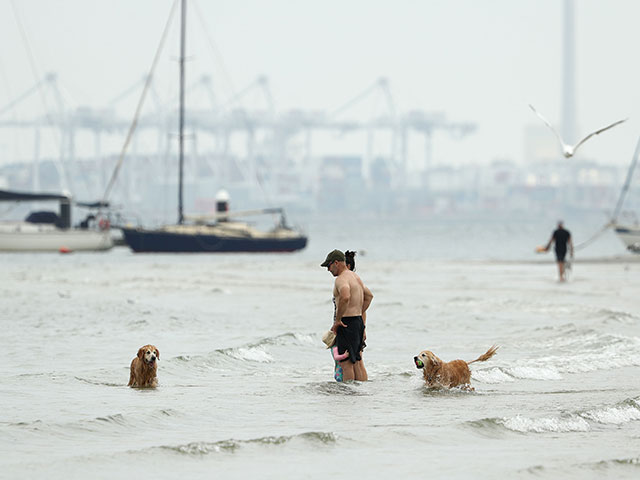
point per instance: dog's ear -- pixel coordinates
(157, 354)
(434, 360)
(140, 353)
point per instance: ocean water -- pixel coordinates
(246, 387)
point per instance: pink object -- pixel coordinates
(336, 356)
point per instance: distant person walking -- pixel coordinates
(351, 298)
(562, 238)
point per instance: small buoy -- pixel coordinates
(64, 250)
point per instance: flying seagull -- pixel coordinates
(569, 150)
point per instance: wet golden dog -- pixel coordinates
(439, 374)
(144, 367)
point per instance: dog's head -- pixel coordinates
(426, 359)
(149, 354)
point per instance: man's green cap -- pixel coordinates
(333, 256)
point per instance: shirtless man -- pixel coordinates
(352, 299)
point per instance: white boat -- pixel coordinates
(30, 237)
(49, 232)
(630, 236)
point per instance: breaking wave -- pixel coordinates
(523, 424)
(257, 352)
(492, 375)
(232, 445)
(251, 354)
(616, 462)
(587, 351)
(615, 316)
(510, 374)
(337, 388)
(621, 413)
(569, 423)
(580, 421)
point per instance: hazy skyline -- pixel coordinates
(480, 62)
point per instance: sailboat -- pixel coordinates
(628, 234)
(46, 231)
(216, 233)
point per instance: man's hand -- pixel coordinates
(336, 324)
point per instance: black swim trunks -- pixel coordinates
(351, 338)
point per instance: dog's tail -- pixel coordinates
(483, 358)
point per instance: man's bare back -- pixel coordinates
(352, 297)
(349, 288)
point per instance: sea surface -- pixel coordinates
(246, 386)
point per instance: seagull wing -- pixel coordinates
(546, 122)
(597, 132)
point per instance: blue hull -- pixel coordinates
(140, 240)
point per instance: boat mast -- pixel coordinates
(627, 182)
(181, 128)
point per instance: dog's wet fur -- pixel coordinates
(439, 374)
(144, 368)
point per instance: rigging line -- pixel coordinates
(11, 105)
(213, 47)
(127, 91)
(353, 101)
(237, 97)
(11, 207)
(627, 183)
(7, 87)
(589, 241)
(620, 202)
(34, 71)
(134, 123)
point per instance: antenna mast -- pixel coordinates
(181, 130)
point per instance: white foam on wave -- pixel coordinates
(614, 316)
(306, 338)
(616, 415)
(534, 373)
(591, 351)
(492, 375)
(252, 354)
(546, 425)
(606, 359)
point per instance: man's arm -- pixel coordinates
(549, 244)
(368, 296)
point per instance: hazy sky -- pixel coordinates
(477, 61)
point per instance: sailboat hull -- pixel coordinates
(630, 236)
(26, 237)
(143, 240)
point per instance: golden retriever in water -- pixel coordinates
(439, 374)
(144, 367)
